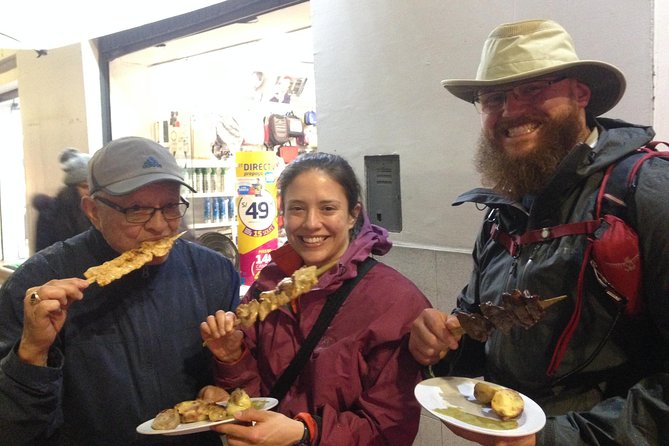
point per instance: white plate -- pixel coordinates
(200, 426)
(442, 393)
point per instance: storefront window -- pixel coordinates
(12, 185)
(211, 99)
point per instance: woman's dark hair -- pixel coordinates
(335, 167)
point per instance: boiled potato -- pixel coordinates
(238, 401)
(483, 392)
(507, 404)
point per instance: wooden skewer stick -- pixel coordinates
(320, 271)
(545, 303)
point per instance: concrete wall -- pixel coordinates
(378, 64)
(661, 63)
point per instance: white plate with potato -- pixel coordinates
(452, 400)
(145, 428)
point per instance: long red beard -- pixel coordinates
(529, 174)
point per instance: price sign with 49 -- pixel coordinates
(257, 214)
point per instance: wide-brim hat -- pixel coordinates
(127, 164)
(521, 51)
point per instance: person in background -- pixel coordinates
(83, 364)
(599, 374)
(357, 386)
(61, 217)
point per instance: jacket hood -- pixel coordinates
(371, 239)
(617, 138)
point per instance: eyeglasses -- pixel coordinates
(493, 101)
(138, 214)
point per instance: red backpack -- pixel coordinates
(613, 245)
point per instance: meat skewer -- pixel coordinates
(287, 290)
(130, 260)
(518, 309)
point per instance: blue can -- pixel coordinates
(231, 208)
(223, 204)
(216, 214)
(207, 210)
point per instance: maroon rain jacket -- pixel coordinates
(360, 378)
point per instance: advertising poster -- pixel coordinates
(257, 226)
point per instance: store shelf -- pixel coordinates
(210, 194)
(228, 224)
(197, 163)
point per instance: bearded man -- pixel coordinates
(598, 372)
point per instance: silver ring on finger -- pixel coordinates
(34, 298)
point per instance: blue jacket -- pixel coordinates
(608, 388)
(126, 351)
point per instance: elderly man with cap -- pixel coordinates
(598, 371)
(86, 364)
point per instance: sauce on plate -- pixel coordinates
(477, 420)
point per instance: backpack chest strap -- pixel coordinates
(513, 242)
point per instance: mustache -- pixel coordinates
(504, 124)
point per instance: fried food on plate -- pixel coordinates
(191, 411)
(166, 419)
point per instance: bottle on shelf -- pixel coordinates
(231, 208)
(211, 174)
(220, 178)
(197, 180)
(205, 180)
(207, 210)
(216, 210)
(223, 205)
(186, 175)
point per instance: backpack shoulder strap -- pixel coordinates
(619, 182)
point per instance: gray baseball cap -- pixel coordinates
(124, 165)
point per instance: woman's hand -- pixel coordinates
(44, 313)
(262, 427)
(222, 337)
(431, 337)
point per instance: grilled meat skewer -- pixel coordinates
(518, 309)
(287, 290)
